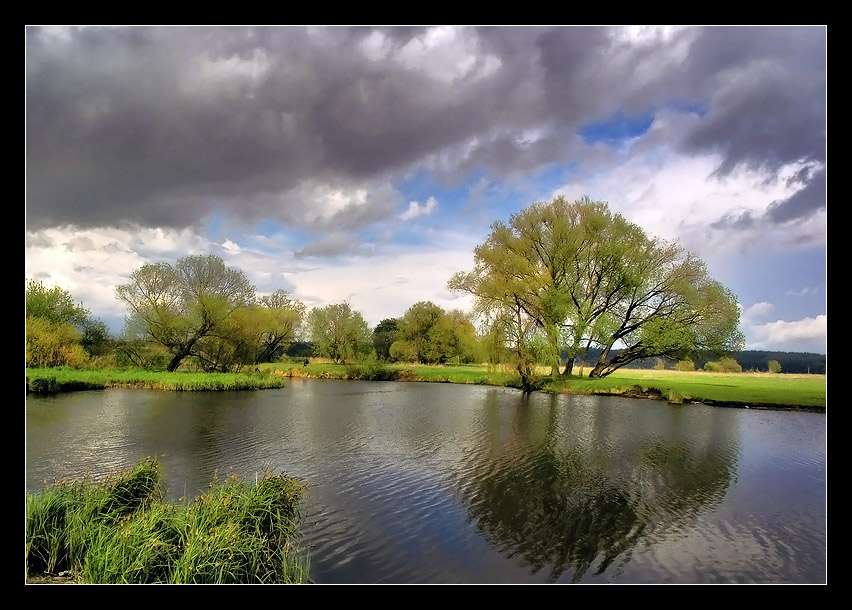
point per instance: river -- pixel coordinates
(443, 483)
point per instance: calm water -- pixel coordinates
(441, 483)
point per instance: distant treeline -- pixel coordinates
(750, 360)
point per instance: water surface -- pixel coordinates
(442, 483)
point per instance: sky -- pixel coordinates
(364, 164)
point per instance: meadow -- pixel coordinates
(755, 390)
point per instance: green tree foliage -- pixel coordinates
(53, 344)
(60, 332)
(56, 305)
(384, 335)
(493, 344)
(428, 334)
(339, 333)
(252, 334)
(774, 366)
(588, 278)
(179, 306)
(95, 338)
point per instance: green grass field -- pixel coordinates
(744, 389)
(747, 389)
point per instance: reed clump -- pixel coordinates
(121, 530)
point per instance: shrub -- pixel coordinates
(685, 365)
(774, 366)
(724, 365)
(729, 365)
(53, 344)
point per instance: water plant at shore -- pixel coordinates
(64, 379)
(121, 530)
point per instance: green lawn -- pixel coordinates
(752, 389)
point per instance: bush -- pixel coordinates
(774, 366)
(370, 371)
(660, 365)
(724, 365)
(51, 344)
(685, 365)
(729, 365)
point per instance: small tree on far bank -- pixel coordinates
(340, 333)
(774, 366)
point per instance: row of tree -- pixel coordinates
(560, 282)
(208, 315)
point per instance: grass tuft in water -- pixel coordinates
(120, 530)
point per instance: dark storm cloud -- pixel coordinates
(161, 126)
(810, 198)
(804, 201)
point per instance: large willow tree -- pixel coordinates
(180, 306)
(585, 277)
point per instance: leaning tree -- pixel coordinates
(587, 278)
(179, 306)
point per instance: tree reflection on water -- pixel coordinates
(568, 506)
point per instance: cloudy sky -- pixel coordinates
(364, 164)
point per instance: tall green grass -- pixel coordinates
(64, 379)
(121, 530)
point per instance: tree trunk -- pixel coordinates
(553, 339)
(596, 372)
(175, 362)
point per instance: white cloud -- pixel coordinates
(385, 286)
(807, 334)
(758, 310)
(678, 197)
(416, 209)
(805, 291)
(445, 54)
(91, 263)
(320, 206)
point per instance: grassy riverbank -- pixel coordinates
(120, 530)
(754, 390)
(65, 379)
